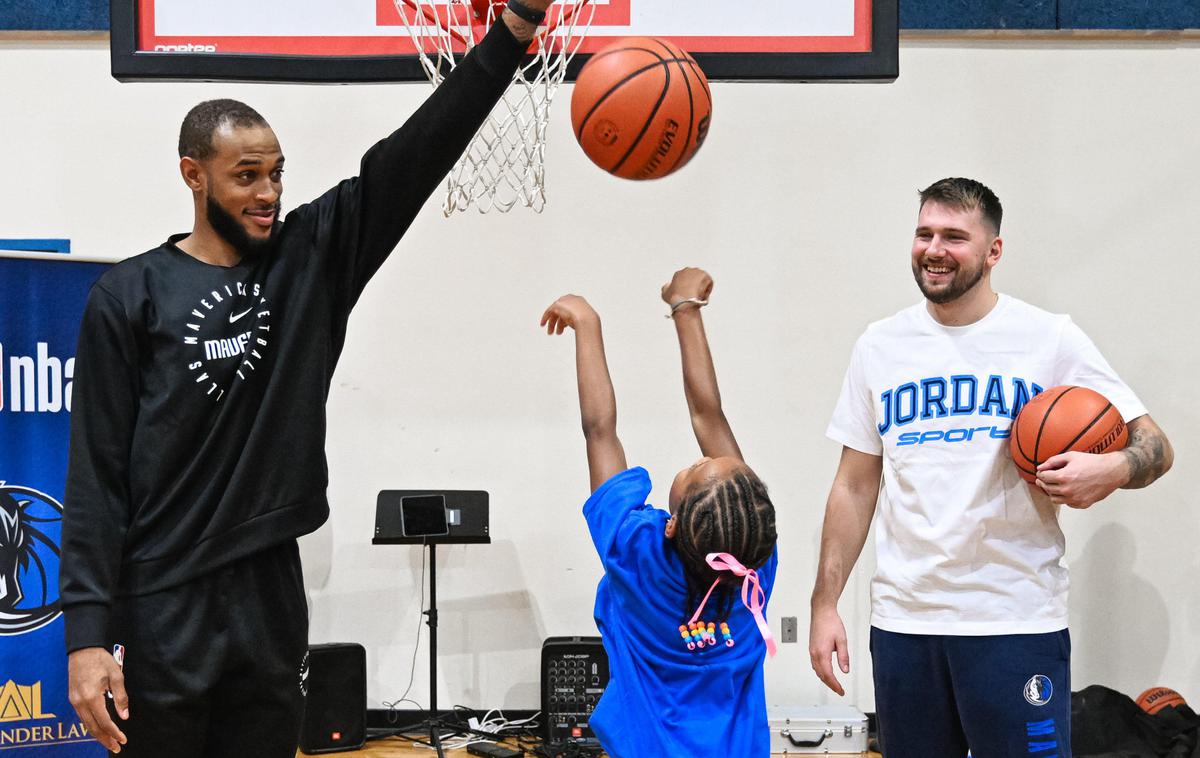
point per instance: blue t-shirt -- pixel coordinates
(663, 699)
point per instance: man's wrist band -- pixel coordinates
(690, 301)
(525, 13)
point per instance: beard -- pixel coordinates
(225, 225)
(963, 282)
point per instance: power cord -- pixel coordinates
(489, 729)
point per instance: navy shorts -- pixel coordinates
(998, 696)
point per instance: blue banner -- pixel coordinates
(41, 303)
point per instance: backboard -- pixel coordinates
(365, 40)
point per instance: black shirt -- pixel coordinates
(198, 423)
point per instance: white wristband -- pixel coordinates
(691, 300)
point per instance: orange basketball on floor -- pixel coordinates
(641, 108)
(1155, 699)
(1063, 419)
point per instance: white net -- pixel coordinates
(505, 163)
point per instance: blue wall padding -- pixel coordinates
(54, 15)
(978, 14)
(37, 246)
(1129, 14)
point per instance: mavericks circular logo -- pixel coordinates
(30, 532)
(227, 333)
(1039, 690)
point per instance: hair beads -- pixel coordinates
(687, 637)
(733, 516)
(753, 598)
(700, 634)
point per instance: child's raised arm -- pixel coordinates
(687, 291)
(597, 401)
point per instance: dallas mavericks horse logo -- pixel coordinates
(1039, 690)
(30, 527)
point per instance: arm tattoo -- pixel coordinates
(1148, 457)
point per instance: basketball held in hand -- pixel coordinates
(641, 108)
(1064, 419)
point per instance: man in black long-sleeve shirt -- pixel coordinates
(197, 439)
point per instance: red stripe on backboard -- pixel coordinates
(862, 25)
(387, 15)
(352, 46)
(145, 32)
(617, 14)
(753, 44)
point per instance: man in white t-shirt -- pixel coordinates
(969, 600)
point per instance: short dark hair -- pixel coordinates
(203, 120)
(732, 515)
(966, 195)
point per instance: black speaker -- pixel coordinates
(335, 707)
(574, 676)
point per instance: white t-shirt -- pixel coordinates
(962, 546)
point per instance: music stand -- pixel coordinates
(432, 517)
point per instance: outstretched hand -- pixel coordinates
(687, 284)
(93, 673)
(568, 310)
(522, 29)
(597, 401)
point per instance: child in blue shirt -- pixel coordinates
(681, 604)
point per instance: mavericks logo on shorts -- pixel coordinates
(304, 674)
(1039, 690)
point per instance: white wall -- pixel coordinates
(801, 205)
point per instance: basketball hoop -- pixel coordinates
(504, 163)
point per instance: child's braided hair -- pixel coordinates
(732, 515)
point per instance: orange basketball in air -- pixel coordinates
(1062, 419)
(1155, 699)
(641, 108)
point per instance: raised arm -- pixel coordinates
(361, 220)
(688, 289)
(597, 401)
(848, 514)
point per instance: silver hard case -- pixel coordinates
(817, 730)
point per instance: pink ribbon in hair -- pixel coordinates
(753, 596)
